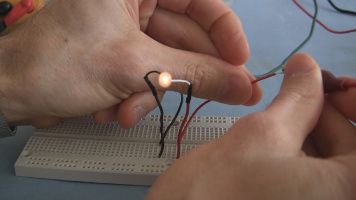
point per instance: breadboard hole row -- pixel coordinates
(80, 150)
(145, 132)
(102, 148)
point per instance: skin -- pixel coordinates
(301, 147)
(89, 57)
(79, 57)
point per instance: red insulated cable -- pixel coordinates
(321, 23)
(18, 11)
(181, 129)
(331, 83)
(262, 78)
(182, 132)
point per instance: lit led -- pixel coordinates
(165, 79)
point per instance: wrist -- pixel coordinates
(5, 129)
(9, 106)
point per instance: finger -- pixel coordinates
(211, 77)
(45, 122)
(105, 116)
(179, 31)
(135, 108)
(257, 90)
(345, 101)
(298, 105)
(220, 21)
(146, 9)
(334, 134)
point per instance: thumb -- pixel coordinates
(298, 105)
(212, 78)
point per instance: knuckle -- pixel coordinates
(203, 79)
(296, 94)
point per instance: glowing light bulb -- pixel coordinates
(165, 79)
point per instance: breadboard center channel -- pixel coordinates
(80, 150)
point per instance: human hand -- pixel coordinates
(79, 57)
(268, 155)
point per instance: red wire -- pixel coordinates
(181, 129)
(321, 23)
(191, 117)
(182, 133)
(262, 78)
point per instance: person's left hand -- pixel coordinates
(78, 57)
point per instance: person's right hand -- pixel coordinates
(294, 149)
(78, 57)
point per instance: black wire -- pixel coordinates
(189, 96)
(170, 125)
(175, 116)
(154, 92)
(341, 10)
(5, 7)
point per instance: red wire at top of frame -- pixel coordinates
(321, 23)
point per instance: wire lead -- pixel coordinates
(299, 47)
(341, 10)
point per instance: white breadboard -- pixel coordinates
(80, 150)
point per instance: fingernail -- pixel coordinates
(299, 65)
(138, 113)
(233, 90)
